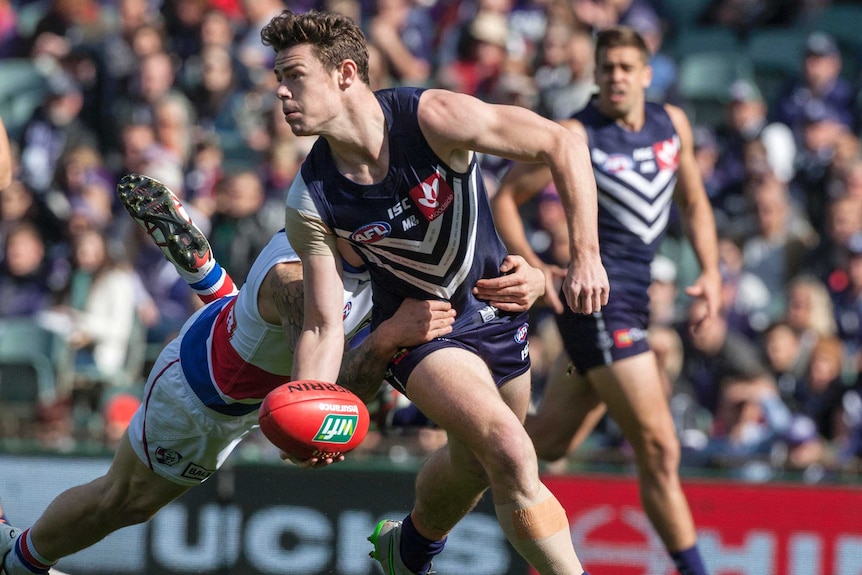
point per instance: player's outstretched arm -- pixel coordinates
(415, 322)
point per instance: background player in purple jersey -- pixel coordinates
(642, 156)
(394, 171)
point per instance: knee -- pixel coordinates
(548, 444)
(661, 454)
(510, 455)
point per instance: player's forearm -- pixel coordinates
(577, 188)
(318, 355)
(702, 235)
(363, 369)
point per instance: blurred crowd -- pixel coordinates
(182, 90)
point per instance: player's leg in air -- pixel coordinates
(162, 215)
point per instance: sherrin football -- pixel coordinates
(309, 418)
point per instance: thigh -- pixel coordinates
(130, 477)
(635, 396)
(568, 404)
(174, 435)
(454, 388)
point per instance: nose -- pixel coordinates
(282, 92)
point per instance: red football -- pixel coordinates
(313, 419)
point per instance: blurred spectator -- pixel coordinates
(154, 81)
(243, 222)
(174, 127)
(782, 351)
(204, 172)
(810, 312)
(822, 389)
(662, 293)
(746, 15)
(600, 14)
(256, 57)
(827, 260)
(379, 76)
(137, 143)
(665, 71)
(165, 298)
(564, 76)
(773, 251)
(822, 132)
(706, 155)
(118, 48)
(28, 278)
(750, 421)
(745, 298)
(746, 122)
(183, 22)
(216, 30)
(94, 310)
(481, 57)
(819, 88)
(65, 23)
(402, 30)
(848, 298)
(713, 352)
(53, 130)
(9, 40)
(852, 179)
(19, 204)
(221, 106)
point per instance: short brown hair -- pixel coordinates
(621, 37)
(333, 36)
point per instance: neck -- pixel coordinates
(359, 140)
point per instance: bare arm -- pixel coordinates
(320, 345)
(456, 125)
(519, 185)
(415, 322)
(280, 300)
(5, 158)
(696, 210)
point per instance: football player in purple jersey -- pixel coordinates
(643, 161)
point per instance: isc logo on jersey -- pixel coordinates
(432, 197)
(370, 233)
(346, 311)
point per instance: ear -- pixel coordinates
(347, 73)
(647, 77)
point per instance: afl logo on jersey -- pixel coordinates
(617, 163)
(346, 311)
(432, 197)
(370, 233)
(521, 334)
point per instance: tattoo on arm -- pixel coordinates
(362, 370)
(288, 296)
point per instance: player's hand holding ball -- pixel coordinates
(314, 423)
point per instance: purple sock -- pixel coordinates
(688, 561)
(416, 550)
